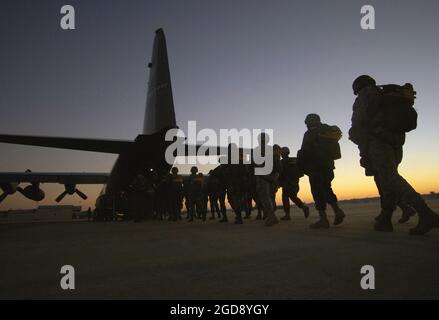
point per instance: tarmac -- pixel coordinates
(211, 260)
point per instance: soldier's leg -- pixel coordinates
(217, 207)
(212, 206)
(175, 208)
(240, 206)
(377, 183)
(234, 201)
(388, 182)
(273, 197)
(318, 193)
(201, 212)
(407, 211)
(197, 207)
(263, 190)
(258, 207)
(286, 202)
(222, 199)
(190, 203)
(297, 201)
(331, 197)
(222, 204)
(244, 201)
(187, 205)
(394, 187)
(249, 205)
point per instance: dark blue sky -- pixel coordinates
(234, 64)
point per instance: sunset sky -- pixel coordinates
(234, 64)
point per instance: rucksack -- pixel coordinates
(328, 142)
(396, 110)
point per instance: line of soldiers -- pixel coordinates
(239, 185)
(377, 129)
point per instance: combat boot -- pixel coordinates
(238, 219)
(305, 210)
(339, 214)
(259, 216)
(428, 219)
(407, 213)
(323, 223)
(426, 223)
(224, 219)
(271, 219)
(286, 217)
(384, 222)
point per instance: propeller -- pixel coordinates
(70, 189)
(61, 196)
(8, 189)
(81, 194)
(3, 196)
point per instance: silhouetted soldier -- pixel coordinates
(277, 164)
(319, 150)
(161, 197)
(194, 195)
(381, 117)
(175, 192)
(220, 175)
(186, 187)
(265, 182)
(204, 197)
(289, 181)
(238, 178)
(251, 196)
(89, 213)
(213, 189)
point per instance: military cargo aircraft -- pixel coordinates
(134, 157)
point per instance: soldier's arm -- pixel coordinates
(359, 120)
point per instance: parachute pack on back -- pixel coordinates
(396, 108)
(328, 139)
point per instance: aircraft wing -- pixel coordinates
(83, 144)
(55, 177)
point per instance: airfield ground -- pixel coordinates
(163, 260)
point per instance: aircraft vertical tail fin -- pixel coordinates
(159, 113)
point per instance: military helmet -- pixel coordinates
(194, 169)
(277, 150)
(174, 170)
(285, 151)
(361, 82)
(312, 119)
